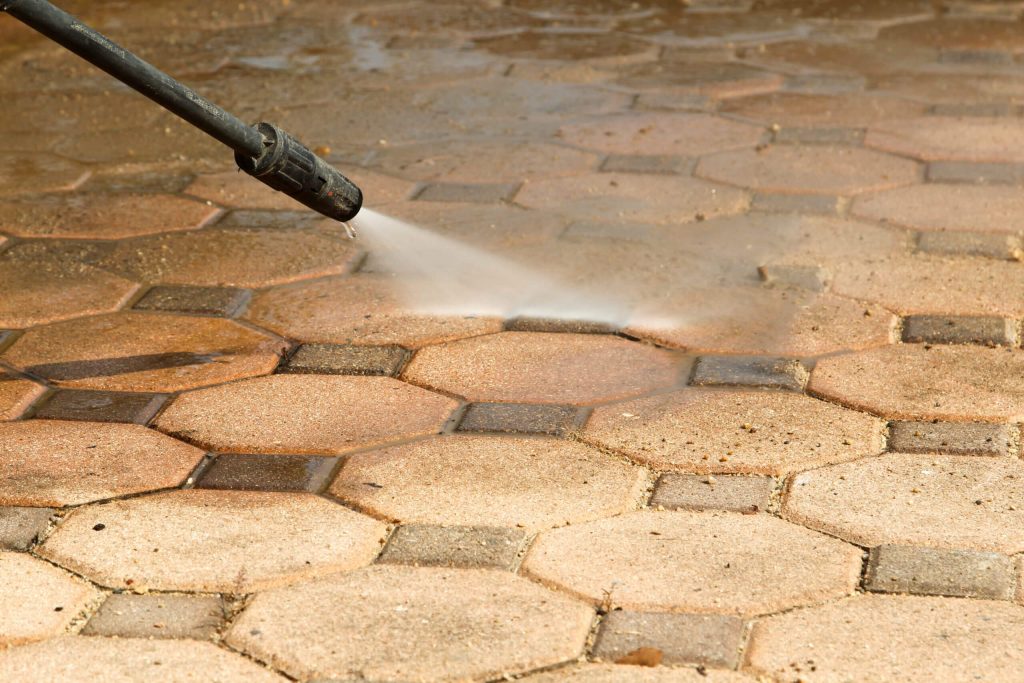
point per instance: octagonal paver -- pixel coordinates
(934, 285)
(981, 208)
(695, 562)
(40, 600)
(913, 382)
(634, 197)
(213, 541)
(787, 109)
(128, 660)
(16, 395)
(144, 352)
(34, 295)
(749, 432)
(892, 638)
(56, 463)
(412, 624)
(490, 481)
(102, 216)
(367, 309)
(809, 170)
(940, 501)
(315, 414)
(544, 368)
(35, 173)
(657, 133)
(959, 34)
(484, 161)
(749, 320)
(968, 138)
(615, 673)
(235, 258)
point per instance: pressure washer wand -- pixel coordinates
(264, 151)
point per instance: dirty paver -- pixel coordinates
(747, 408)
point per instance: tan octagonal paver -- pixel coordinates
(213, 541)
(101, 216)
(750, 320)
(961, 33)
(968, 138)
(53, 463)
(34, 173)
(892, 638)
(941, 501)
(490, 481)
(16, 395)
(643, 198)
(915, 382)
(234, 258)
(367, 309)
(695, 562)
(657, 134)
(144, 352)
(615, 673)
(747, 432)
(543, 368)
(321, 414)
(40, 600)
(128, 660)
(413, 624)
(980, 208)
(810, 170)
(33, 295)
(487, 161)
(942, 285)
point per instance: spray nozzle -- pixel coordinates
(290, 167)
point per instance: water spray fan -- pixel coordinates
(264, 151)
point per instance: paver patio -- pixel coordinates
(780, 445)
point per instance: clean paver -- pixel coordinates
(706, 639)
(415, 624)
(960, 138)
(519, 482)
(536, 367)
(52, 462)
(425, 545)
(144, 352)
(157, 615)
(686, 562)
(953, 438)
(302, 414)
(938, 206)
(213, 541)
(928, 571)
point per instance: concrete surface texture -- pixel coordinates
(232, 449)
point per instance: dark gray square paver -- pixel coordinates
(952, 438)
(157, 615)
(459, 192)
(223, 301)
(1005, 247)
(937, 329)
(634, 163)
(438, 546)
(20, 526)
(750, 371)
(931, 571)
(101, 406)
(249, 472)
(341, 359)
(676, 491)
(795, 203)
(713, 640)
(519, 418)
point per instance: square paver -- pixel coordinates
(157, 615)
(101, 406)
(342, 359)
(952, 438)
(221, 301)
(637, 163)
(937, 329)
(712, 640)
(633, 232)
(249, 472)
(843, 136)
(802, 276)
(519, 418)
(257, 218)
(441, 546)
(21, 526)
(464, 192)
(559, 326)
(750, 371)
(796, 203)
(735, 493)
(988, 245)
(963, 172)
(931, 571)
